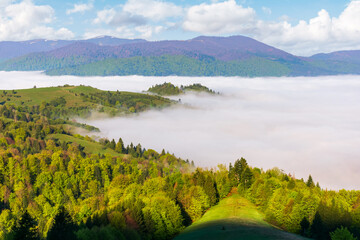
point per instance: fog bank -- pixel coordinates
(301, 125)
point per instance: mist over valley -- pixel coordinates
(301, 125)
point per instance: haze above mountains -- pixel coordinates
(201, 56)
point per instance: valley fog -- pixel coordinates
(301, 125)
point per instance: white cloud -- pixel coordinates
(24, 20)
(266, 10)
(80, 8)
(152, 9)
(137, 18)
(105, 16)
(321, 33)
(219, 18)
(147, 31)
(144, 31)
(4, 3)
(118, 18)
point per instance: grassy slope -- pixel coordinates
(35, 96)
(90, 147)
(233, 218)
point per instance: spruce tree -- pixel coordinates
(26, 228)
(310, 182)
(120, 146)
(317, 228)
(63, 227)
(304, 224)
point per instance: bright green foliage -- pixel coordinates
(162, 217)
(342, 234)
(54, 183)
(67, 101)
(195, 201)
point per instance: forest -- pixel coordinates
(166, 65)
(54, 186)
(168, 89)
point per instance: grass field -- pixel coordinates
(35, 96)
(68, 101)
(233, 218)
(72, 95)
(90, 147)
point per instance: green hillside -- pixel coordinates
(169, 89)
(59, 185)
(233, 218)
(167, 65)
(68, 101)
(90, 146)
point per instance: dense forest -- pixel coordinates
(54, 186)
(167, 65)
(169, 89)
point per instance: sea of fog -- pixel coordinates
(301, 125)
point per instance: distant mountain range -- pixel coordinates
(201, 56)
(10, 49)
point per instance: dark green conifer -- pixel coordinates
(26, 228)
(63, 227)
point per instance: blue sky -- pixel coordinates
(301, 27)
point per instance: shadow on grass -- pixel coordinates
(234, 229)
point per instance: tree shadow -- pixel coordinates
(234, 229)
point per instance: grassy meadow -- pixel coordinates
(234, 218)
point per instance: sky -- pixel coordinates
(303, 125)
(302, 27)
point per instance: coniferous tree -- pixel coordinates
(239, 168)
(304, 224)
(247, 178)
(63, 227)
(163, 152)
(342, 234)
(120, 146)
(310, 182)
(112, 144)
(26, 228)
(317, 228)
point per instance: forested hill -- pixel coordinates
(55, 184)
(201, 56)
(68, 101)
(169, 89)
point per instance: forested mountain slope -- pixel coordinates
(201, 56)
(58, 184)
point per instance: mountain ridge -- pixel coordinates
(68, 57)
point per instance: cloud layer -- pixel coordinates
(320, 34)
(161, 19)
(301, 125)
(25, 20)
